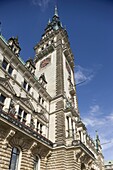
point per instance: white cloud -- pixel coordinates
(83, 74)
(96, 119)
(93, 121)
(41, 3)
(94, 109)
(110, 117)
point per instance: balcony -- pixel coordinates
(79, 144)
(11, 119)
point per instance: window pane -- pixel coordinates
(4, 64)
(24, 84)
(39, 99)
(14, 159)
(24, 116)
(29, 87)
(2, 98)
(20, 112)
(10, 70)
(36, 163)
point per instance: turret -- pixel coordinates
(14, 45)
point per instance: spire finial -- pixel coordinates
(49, 21)
(56, 11)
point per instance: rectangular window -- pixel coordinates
(24, 84)
(37, 126)
(10, 70)
(29, 87)
(24, 116)
(42, 101)
(32, 123)
(2, 98)
(40, 128)
(14, 161)
(4, 64)
(19, 114)
(39, 99)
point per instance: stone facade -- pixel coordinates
(40, 125)
(108, 165)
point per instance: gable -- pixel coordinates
(4, 82)
(42, 116)
(26, 101)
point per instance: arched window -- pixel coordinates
(83, 166)
(36, 163)
(14, 161)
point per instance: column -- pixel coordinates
(67, 126)
(74, 130)
(6, 104)
(28, 119)
(44, 130)
(70, 127)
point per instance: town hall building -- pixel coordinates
(40, 124)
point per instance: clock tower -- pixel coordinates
(73, 148)
(55, 61)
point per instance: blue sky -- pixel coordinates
(89, 24)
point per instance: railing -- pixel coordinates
(79, 143)
(11, 119)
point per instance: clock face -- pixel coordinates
(45, 62)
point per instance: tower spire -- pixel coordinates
(56, 11)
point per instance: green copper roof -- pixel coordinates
(5, 41)
(22, 61)
(55, 23)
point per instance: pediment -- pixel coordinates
(7, 85)
(42, 116)
(27, 102)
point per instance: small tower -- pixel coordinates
(14, 45)
(30, 65)
(99, 152)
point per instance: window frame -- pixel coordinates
(10, 70)
(4, 98)
(4, 64)
(36, 162)
(15, 161)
